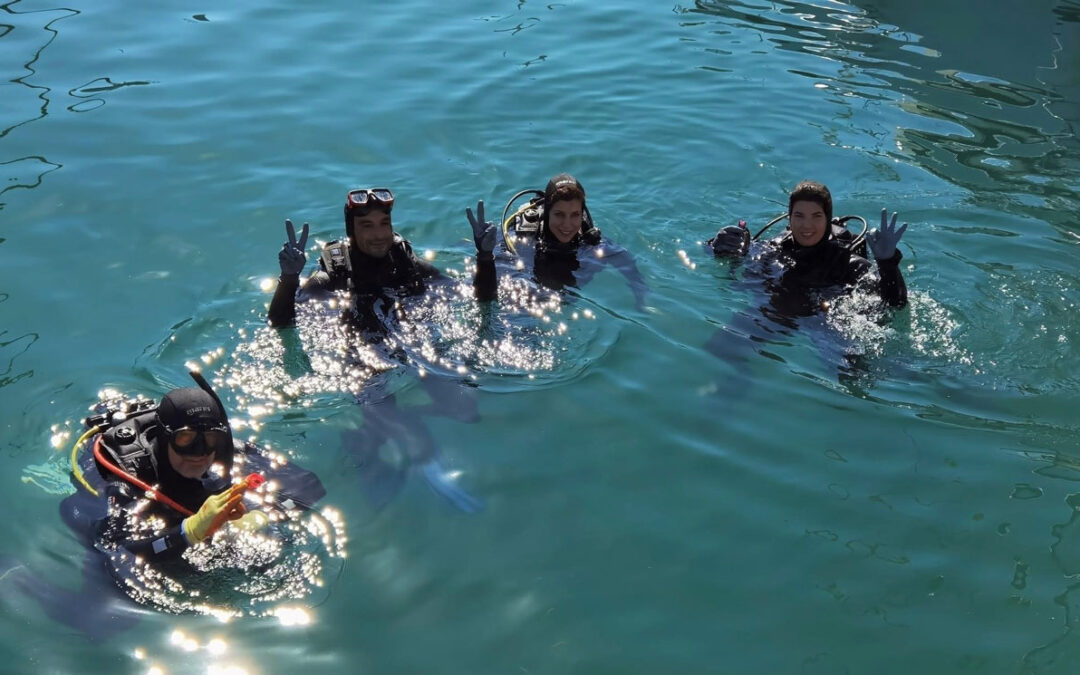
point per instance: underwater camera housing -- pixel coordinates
(335, 258)
(529, 221)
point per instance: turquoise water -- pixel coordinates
(649, 506)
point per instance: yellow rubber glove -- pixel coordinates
(212, 514)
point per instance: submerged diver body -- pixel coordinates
(816, 260)
(160, 480)
(554, 237)
(378, 268)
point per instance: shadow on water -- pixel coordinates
(40, 92)
(31, 101)
(1059, 654)
(26, 172)
(11, 347)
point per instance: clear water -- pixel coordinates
(649, 506)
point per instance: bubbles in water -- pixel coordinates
(871, 328)
(238, 572)
(443, 331)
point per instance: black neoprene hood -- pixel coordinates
(190, 407)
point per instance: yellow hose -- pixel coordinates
(506, 229)
(75, 465)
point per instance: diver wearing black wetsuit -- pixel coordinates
(114, 517)
(816, 255)
(372, 260)
(376, 264)
(831, 263)
(566, 247)
(185, 452)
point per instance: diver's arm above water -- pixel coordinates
(121, 528)
(485, 282)
(292, 258)
(124, 526)
(882, 243)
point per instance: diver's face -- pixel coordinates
(373, 233)
(807, 222)
(564, 220)
(190, 466)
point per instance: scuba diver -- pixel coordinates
(372, 259)
(557, 231)
(182, 454)
(816, 260)
(376, 265)
(160, 479)
(817, 252)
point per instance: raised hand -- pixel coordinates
(293, 257)
(483, 232)
(215, 511)
(731, 240)
(883, 240)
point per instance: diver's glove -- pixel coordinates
(731, 240)
(883, 241)
(483, 232)
(224, 506)
(443, 485)
(292, 257)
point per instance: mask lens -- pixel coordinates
(215, 440)
(186, 441)
(196, 450)
(383, 195)
(358, 197)
(184, 438)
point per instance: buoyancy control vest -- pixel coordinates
(349, 269)
(838, 231)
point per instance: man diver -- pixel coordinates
(567, 249)
(812, 256)
(372, 259)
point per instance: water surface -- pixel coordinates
(649, 507)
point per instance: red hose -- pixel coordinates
(154, 494)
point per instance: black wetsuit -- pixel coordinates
(798, 281)
(558, 266)
(146, 459)
(110, 524)
(399, 271)
(828, 264)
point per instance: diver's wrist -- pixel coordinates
(184, 532)
(892, 260)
